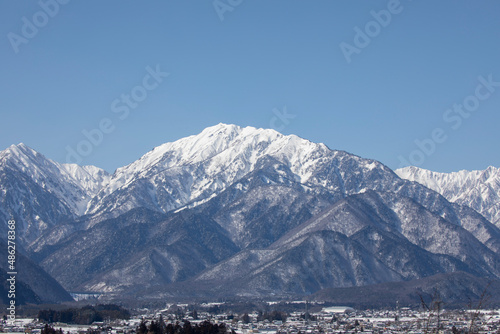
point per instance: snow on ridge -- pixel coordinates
(174, 174)
(478, 189)
(222, 143)
(212, 160)
(72, 184)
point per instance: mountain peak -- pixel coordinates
(230, 131)
(222, 153)
(207, 144)
(222, 128)
(73, 185)
(478, 189)
(21, 155)
(21, 148)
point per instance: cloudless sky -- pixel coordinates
(261, 57)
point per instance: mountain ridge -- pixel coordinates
(280, 215)
(478, 189)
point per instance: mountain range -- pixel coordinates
(238, 211)
(478, 189)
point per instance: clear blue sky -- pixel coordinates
(263, 55)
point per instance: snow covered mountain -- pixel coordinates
(40, 193)
(363, 239)
(195, 169)
(237, 208)
(192, 170)
(275, 210)
(479, 189)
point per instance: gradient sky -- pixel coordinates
(262, 57)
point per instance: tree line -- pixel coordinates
(85, 315)
(159, 327)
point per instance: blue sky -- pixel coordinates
(246, 61)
